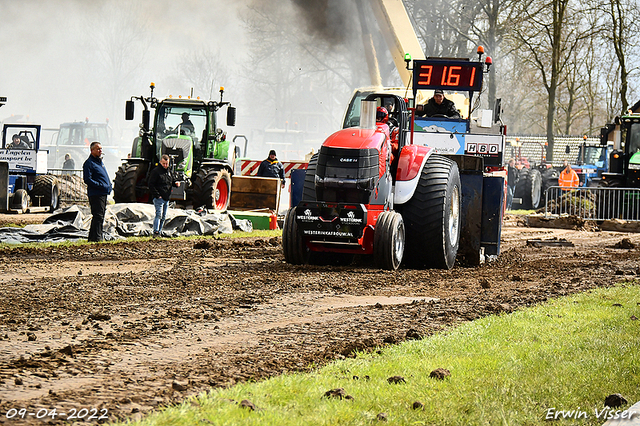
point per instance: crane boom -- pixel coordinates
(398, 33)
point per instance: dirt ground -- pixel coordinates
(127, 328)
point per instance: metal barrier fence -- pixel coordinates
(593, 203)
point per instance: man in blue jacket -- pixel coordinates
(271, 167)
(98, 187)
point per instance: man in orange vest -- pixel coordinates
(568, 177)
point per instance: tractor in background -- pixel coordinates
(591, 162)
(74, 138)
(186, 130)
(24, 182)
(624, 157)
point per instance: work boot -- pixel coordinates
(156, 234)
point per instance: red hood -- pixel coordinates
(356, 138)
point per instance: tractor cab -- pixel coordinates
(624, 160)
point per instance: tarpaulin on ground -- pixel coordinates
(121, 221)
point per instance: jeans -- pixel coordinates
(161, 213)
(98, 205)
(510, 191)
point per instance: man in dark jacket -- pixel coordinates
(98, 187)
(271, 167)
(438, 105)
(161, 181)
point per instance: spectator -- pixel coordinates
(568, 177)
(69, 165)
(98, 187)
(438, 105)
(271, 167)
(161, 180)
(512, 179)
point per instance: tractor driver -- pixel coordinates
(438, 105)
(382, 117)
(18, 143)
(186, 124)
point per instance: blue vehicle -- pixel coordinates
(591, 162)
(24, 184)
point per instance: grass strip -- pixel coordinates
(561, 358)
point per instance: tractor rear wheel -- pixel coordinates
(389, 240)
(46, 189)
(432, 216)
(212, 189)
(127, 179)
(529, 188)
(20, 201)
(309, 188)
(295, 251)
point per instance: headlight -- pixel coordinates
(634, 166)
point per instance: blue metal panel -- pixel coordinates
(297, 185)
(471, 215)
(492, 200)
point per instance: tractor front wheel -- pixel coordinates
(389, 240)
(212, 189)
(20, 201)
(128, 177)
(294, 248)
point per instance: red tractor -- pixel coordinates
(371, 190)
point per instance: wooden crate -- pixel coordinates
(254, 193)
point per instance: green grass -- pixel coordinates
(505, 370)
(521, 212)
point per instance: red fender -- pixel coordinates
(412, 157)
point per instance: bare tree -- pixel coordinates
(622, 28)
(549, 35)
(119, 46)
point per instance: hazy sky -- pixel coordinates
(58, 56)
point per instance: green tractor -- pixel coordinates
(624, 161)
(187, 131)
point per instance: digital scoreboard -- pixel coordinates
(447, 75)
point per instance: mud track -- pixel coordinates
(134, 326)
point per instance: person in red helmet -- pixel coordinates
(382, 115)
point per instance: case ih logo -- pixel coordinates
(348, 160)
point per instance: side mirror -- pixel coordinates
(129, 110)
(567, 150)
(231, 116)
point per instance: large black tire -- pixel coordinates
(20, 201)
(529, 189)
(389, 240)
(46, 192)
(295, 251)
(309, 187)
(127, 179)
(212, 189)
(432, 216)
